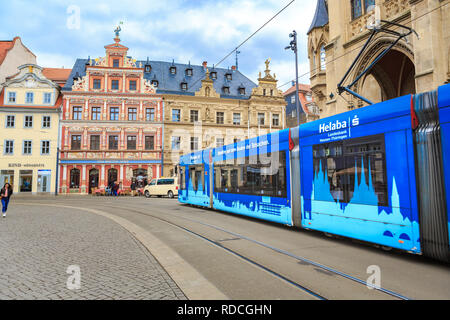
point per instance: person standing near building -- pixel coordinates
(5, 195)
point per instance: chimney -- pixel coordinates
(233, 68)
(293, 83)
(205, 64)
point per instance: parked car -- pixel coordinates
(162, 187)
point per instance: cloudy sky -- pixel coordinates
(184, 30)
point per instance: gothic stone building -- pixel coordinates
(339, 30)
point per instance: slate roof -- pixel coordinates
(321, 15)
(171, 84)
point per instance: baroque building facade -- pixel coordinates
(111, 125)
(218, 107)
(29, 116)
(417, 63)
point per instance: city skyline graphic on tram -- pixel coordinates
(387, 225)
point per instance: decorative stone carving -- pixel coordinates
(80, 84)
(148, 87)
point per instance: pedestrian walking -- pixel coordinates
(115, 188)
(5, 195)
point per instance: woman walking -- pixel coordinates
(5, 194)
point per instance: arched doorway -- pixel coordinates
(112, 176)
(391, 77)
(93, 180)
(140, 178)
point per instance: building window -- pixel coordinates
(75, 143)
(150, 114)
(323, 58)
(10, 121)
(114, 113)
(194, 115)
(115, 84)
(113, 142)
(189, 72)
(27, 146)
(9, 147)
(369, 4)
(131, 142)
(261, 118)
(356, 8)
(133, 85)
(148, 68)
(176, 143)
(155, 83)
(194, 143)
(29, 97)
(116, 63)
(11, 97)
(95, 142)
(226, 90)
(220, 142)
(293, 98)
(184, 86)
(275, 120)
(237, 119)
(242, 91)
(96, 113)
(149, 143)
(173, 70)
(46, 122)
(264, 92)
(309, 97)
(47, 98)
(214, 75)
(220, 117)
(229, 76)
(77, 113)
(74, 179)
(132, 114)
(97, 84)
(45, 147)
(28, 122)
(176, 115)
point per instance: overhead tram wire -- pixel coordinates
(251, 36)
(359, 47)
(254, 33)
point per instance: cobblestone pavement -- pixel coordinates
(38, 244)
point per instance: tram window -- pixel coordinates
(197, 177)
(263, 175)
(356, 164)
(182, 178)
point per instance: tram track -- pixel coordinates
(276, 274)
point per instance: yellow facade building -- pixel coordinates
(29, 129)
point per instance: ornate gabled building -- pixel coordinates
(111, 124)
(29, 116)
(212, 107)
(415, 64)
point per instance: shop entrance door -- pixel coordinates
(44, 177)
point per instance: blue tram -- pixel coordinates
(375, 174)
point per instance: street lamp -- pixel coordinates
(293, 47)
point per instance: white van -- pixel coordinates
(162, 187)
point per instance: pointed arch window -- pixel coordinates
(323, 58)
